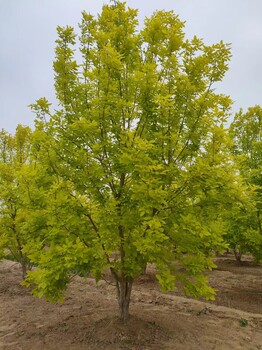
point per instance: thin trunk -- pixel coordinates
(24, 269)
(238, 254)
(22, 260)
(124, 289)
(259, 221)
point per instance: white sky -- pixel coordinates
(28, 33)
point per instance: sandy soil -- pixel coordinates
(87, 320)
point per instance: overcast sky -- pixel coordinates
(28, 32)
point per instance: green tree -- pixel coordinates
(246, 132)
(135, 153)
(14, 157)
(242, 234)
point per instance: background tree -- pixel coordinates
(242, 234)
(14, 158)
(246, 131)
(135, 153)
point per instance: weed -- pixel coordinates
(243, 322)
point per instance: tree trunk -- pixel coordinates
(124, 289)
(238, 254)
(24, 269)
(22, 261)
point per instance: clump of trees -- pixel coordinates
(135, 166)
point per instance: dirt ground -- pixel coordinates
(87, 319)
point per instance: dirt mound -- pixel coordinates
(136, 333)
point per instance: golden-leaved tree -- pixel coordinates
(136, 155)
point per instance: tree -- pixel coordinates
(135, 153)
(242, 235)
(14, 157)
(246, 132)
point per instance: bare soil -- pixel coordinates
(88, 318)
